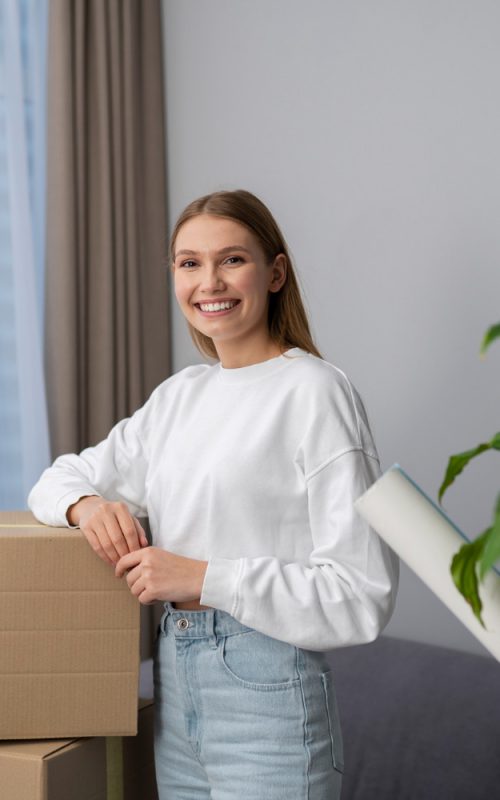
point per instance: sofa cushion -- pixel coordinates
(419, 722)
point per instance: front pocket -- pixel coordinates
(259, 662)
(333, 721)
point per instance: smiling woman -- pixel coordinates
(248, 470)
(232, 236)
(223, 288)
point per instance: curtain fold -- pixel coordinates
(106, 313)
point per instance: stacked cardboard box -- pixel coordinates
(69, 636)
(69, 662)
(81, 769)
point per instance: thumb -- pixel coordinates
(141, 533)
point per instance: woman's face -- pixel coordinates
(218, 260)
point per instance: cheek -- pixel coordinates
(250, 286)
(181, 290)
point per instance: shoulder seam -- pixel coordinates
(334, 457)
(351, 393)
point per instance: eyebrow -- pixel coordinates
(219, 252)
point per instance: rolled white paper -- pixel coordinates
(426, 539)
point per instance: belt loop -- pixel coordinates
(164, 617)
(214, 639)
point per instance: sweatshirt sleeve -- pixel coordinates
(345, 595)
(114, 469)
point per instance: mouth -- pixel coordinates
(216, 309)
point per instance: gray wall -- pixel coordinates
(372, 131)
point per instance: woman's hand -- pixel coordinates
(109, 528)
(156, 574)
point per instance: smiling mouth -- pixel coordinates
(214, 309)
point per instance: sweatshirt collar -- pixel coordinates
(260, 370)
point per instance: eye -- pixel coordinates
(233, 259)
(189, 263)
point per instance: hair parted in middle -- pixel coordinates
(287, 319)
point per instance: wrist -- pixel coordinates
(74, 511)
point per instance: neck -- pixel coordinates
(234, 357)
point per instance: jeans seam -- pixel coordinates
(330, 729)
(304, 706)
(337, 763)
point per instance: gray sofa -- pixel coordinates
(419, 722)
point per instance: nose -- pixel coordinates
(210, 278)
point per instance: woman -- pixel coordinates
(248, 470)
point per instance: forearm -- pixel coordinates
(315, 608)
(343, 593)
(102, 471)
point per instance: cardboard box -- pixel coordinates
(69, 636)
(80, 769)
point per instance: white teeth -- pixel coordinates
(216, 306)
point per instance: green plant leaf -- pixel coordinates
(459, 461)
(491, 552)
(492, 333)
(463, 571)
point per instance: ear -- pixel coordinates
(278, 273)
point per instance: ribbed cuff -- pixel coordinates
(220, 586)
(68, 500)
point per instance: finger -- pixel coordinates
(104, 545)
(127, 562)
(133, 575)
(101, 531)
(138, 586)
(144, 593)
(96, 546)
(141, 533)
(128, 528)
(146, 599)
(115, 533)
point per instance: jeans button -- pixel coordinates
(183, 623)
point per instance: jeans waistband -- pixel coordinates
(191, 624)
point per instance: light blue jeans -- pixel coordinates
(240, 715)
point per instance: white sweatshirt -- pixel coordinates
(255, 470)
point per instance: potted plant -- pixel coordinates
(471, 563)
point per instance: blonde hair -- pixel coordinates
(287, 319)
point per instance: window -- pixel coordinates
(24, 441)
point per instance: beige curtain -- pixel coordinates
(107, 334)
